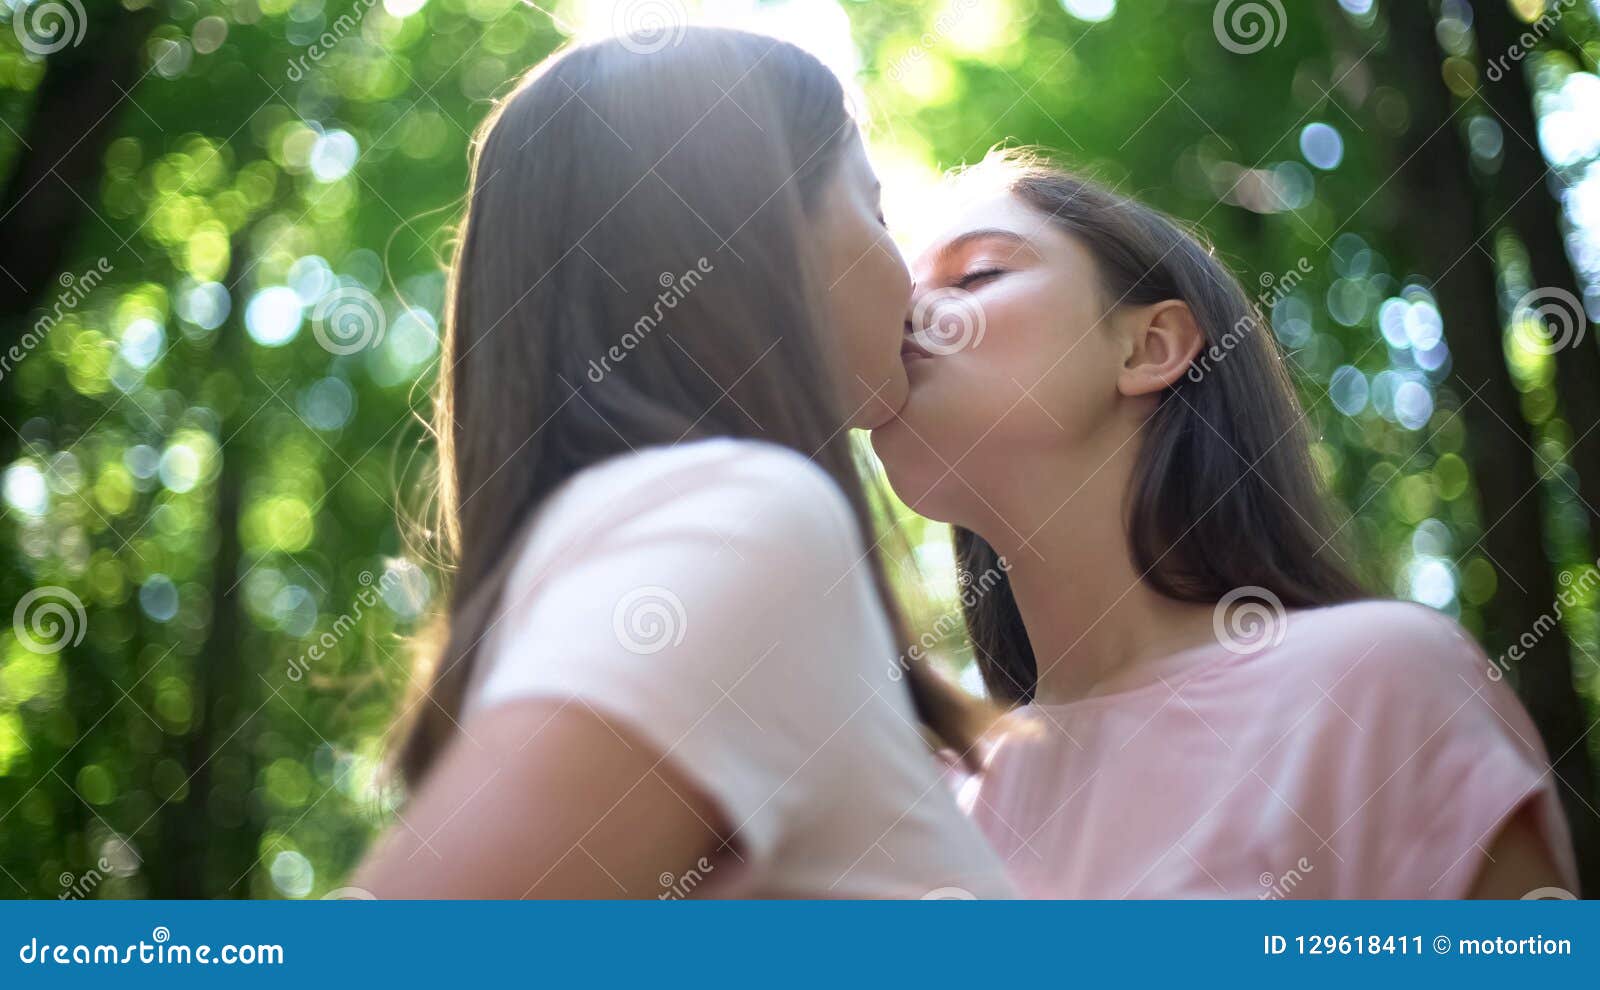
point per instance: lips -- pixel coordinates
(912, 350)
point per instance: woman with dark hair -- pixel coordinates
(1206, 705)
(661, 668)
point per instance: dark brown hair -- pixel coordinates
(1223, 494)
(613, 172)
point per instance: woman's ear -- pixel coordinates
(1163, 340)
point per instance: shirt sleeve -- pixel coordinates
(711, 611)
(1450, 758)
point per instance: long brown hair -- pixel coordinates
(1223, 494)
(634, 270)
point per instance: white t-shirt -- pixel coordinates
(714, 597)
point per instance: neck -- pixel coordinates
(1088, 611)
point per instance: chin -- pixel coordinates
(916, 475)
(882, 408)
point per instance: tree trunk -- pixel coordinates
(74, 117)
(1449, 226)
(1523, 193)
(201, 858)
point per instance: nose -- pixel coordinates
(911, 309)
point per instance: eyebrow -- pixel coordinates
(955, 244)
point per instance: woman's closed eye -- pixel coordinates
(978, 276)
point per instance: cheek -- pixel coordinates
(867, 292)
(1041, 373)
(876, 282)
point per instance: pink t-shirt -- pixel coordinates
(1354, 751)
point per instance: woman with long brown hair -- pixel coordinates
(661, 671)
(1206, 705)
